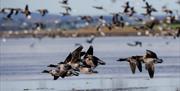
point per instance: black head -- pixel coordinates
(45, 71)
(52, 65)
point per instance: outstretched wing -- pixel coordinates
(56, 77)
(76, 54)
(150, 68)
(132, 66)
(68, 58)
(150, 54)
(139, 65)
(89, 51)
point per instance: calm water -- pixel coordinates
(22, 60)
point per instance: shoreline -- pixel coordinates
(83, 32)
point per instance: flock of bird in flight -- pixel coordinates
(118, 19)
(80, 61)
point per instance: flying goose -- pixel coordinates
(133, 62)
(43, 12)
(90, 60)
(150, 58)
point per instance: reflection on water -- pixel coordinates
(22, 60)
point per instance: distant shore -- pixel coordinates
(83, 32)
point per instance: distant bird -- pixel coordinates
(136, 43)
(118, 20)
(102, 23)
(67, 10)
(166, 10)
(131, 12)
(39, 25)
(64, 2)
(98, 7)
(149, 9)
(88, 19)
(17, 10)
(149, 59)
(3, 11)
(10, 14)
(43, 12)
(126, 7)
(90, 41)
(64, 13)
(26, 11)
(90, 60)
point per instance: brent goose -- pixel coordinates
(90, 60)
(133, 62)
(149, 59)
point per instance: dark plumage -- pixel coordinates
(90, 60)
(149, 59)
(26, 11)
(43, 12)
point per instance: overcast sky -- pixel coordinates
(84, 7)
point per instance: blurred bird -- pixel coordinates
(131, 12)
(118, 20)
(149, 9)
(90, 41)
(67, 10)
(136, 43)
(3, 11)
(10, 14)
(26, 11)
(98, 7)
(166, 10)
(42, 11)
(64, 2)
(126, 7)
(88, 19)
(39, 25)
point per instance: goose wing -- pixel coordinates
(89, 51)
(76, 54)
(132, 66)
(150, 67)
(150, 54)
(56, 77)
(139, 65)
(68, 58)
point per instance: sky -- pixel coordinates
(84, 7)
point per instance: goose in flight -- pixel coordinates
(149, 59)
